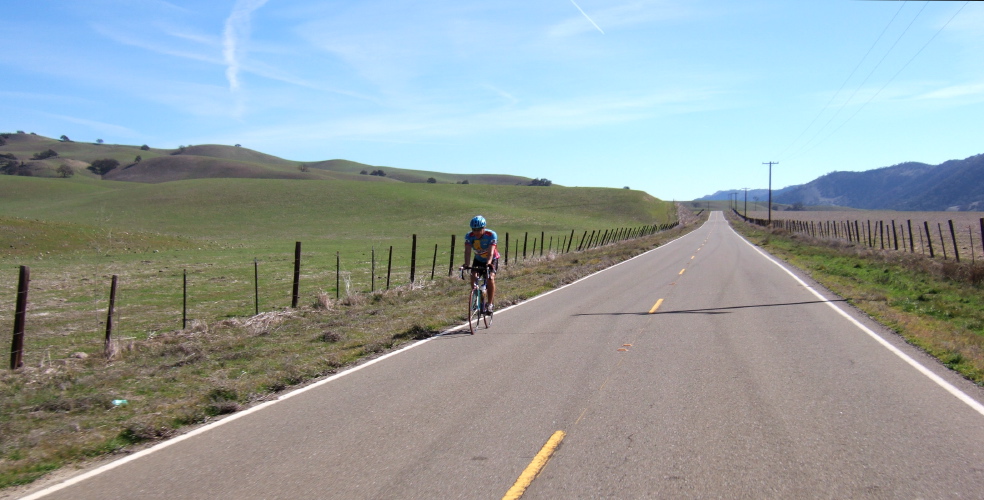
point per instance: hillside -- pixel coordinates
(151, 165)
(955, 185)
(952, 185)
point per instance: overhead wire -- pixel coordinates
(897, 73)
(810, 144)
(855, 70)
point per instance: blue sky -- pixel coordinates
(677, 98)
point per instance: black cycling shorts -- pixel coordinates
(477, 264)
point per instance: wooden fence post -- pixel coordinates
(451, 263)
(20, 319)
(895, 237)
(184, 299)
(389, 267)
(939, 227)
(953, 235)
(526, 236)
(413, 260)
(107, 348)
(929, 239)
(297, 274)
(569, 240)
(541, 243)
(434, 264)
(256, 286)
(338, 276)
(507, 250)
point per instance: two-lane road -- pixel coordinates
(700, 369)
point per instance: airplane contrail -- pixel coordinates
(586, 16)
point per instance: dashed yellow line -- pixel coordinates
(538, 463)
(683, 270)
(655, 307)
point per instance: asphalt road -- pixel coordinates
(743, 383)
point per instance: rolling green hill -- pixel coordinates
(209, 161)
(282, 209)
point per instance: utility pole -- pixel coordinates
(746, 202)
(770, 164)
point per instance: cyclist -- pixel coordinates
(483, 241)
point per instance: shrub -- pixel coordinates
(64, 138)
(363, 173)
(379, 173)
(100, 167)
(303, 167)
(99, 141)
(431, 180)
(541, 182)
(44, 155)
(145, 148)
(138, 159)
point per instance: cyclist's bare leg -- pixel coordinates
(490, 286)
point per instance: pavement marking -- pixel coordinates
(952, 389)
(655, 307)
(683, 270)
(532, 470)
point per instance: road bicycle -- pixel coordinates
(478, 298)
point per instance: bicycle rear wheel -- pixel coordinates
(474, 310)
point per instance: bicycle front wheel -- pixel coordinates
(486, 317)
(474, 310)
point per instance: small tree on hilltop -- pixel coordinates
(541, 182)
(431, 180)
(65, 171)
(65, 138)
(99, 141)
(145, 148)
(101, 167)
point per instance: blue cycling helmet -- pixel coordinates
(478, 222)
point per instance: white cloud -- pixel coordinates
(101, 127)
(974, 90)
(234, 37)
(623, 15)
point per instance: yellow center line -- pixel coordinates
(683, 270)
(539, 461)
(655, 307)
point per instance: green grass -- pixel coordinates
(935, 305)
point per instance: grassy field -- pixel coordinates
(76, 233)
(934, 304)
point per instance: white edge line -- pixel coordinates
(962, 396)
(235, 416)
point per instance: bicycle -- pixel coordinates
(478, 298)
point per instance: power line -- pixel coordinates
(890, 80)
(866, 54)
(808, 146)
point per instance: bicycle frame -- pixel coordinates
(477, 297)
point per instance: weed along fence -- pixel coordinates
(935, 239)
(148, 296)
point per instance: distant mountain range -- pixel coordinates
(952, 185)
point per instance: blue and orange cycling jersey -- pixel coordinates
(482, 245)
